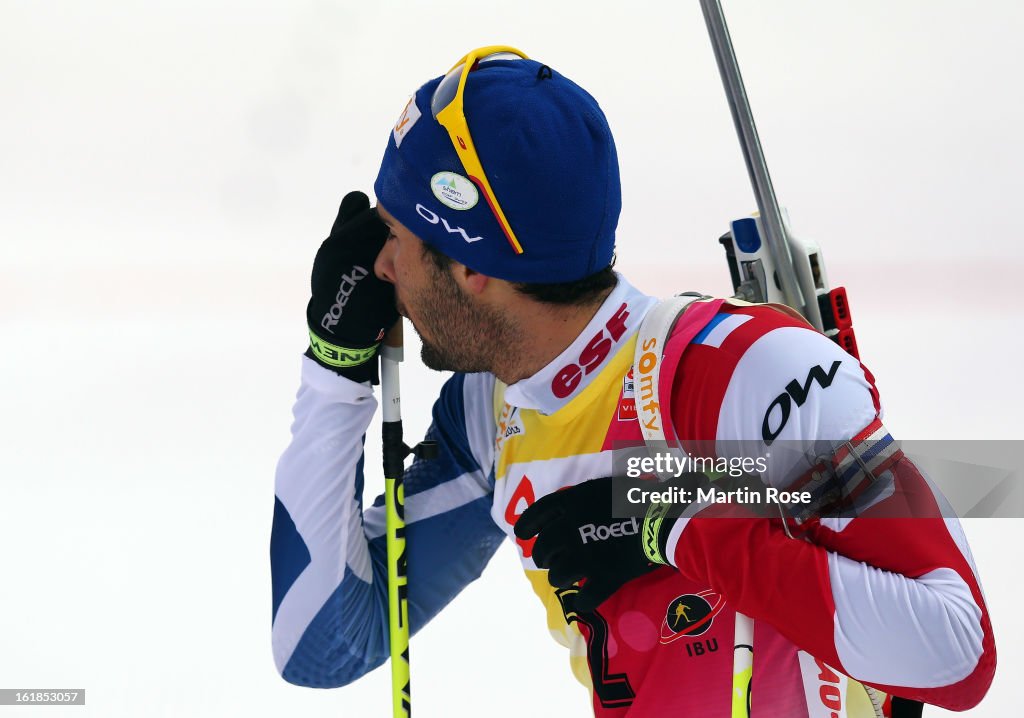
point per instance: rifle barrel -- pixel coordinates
(767, 204)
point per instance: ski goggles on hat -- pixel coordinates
(447, 108)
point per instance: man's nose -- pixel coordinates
(384, 266)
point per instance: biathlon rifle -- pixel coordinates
(766, 262)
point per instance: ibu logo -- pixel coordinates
(455, 191)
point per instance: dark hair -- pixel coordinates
(577, 292)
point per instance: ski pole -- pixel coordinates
(742, 665)
(395, 451)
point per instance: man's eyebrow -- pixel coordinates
(386, 220)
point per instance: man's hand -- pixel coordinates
(578, 538)
(350, 309)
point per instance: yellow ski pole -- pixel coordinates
(742, 666)
(395, 451)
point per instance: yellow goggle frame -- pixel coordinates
(450, 114)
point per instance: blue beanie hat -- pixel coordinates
(548, 152)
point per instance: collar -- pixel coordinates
(562, 380)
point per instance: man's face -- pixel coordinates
(459, 331)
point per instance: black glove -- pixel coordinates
(350, 309)
(577, 538)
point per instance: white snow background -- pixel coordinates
(168, 169)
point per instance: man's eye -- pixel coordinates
(391, 235)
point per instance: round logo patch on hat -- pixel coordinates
(453, 190)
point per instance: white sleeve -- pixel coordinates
(316, 485)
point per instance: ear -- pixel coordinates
(470, 281)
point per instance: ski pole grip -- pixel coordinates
(390, 356)
(394, 336)
(391, 347)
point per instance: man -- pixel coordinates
(498, 197)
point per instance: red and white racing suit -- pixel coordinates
(882, 600)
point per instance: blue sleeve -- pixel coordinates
(331, 615)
